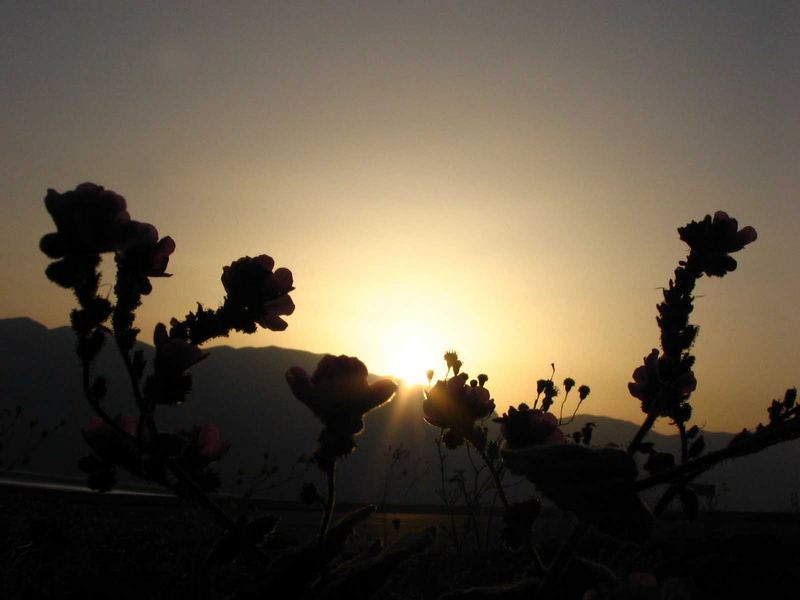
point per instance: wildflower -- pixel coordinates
(713, 240)
(174, 355)
(145, 260)
(650, 383)
(550, 392)
(109, 447)
(170, 383)
(524, 426)
(450, 357)
(258, 293)
(569, 383)
(204, 444)
(429, 375)
(455, 406)
(482, 379)
(91, 220)
(339, 395)
(583, 392)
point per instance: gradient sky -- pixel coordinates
(501, 178)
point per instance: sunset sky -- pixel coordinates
(501, 178)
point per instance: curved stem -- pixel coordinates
(755, 442)
(561, 409)
(497, 483)
(329, 504)
(643, 430)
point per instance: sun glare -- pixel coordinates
(409, 353)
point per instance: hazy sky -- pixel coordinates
(501, 178)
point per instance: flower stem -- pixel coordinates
(329, 504)
(645, 427)
(495, 477)
(506, 505)
(456, 542)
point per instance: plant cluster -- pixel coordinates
(600, 486)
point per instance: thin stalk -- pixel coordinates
(574, 412)
(506, 505)
(456, 542)
(329, 504)
(495, 477)
(769, 436)
(561, 410)
(643, 430)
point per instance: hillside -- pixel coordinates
(243, 391)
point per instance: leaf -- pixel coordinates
(359, 580)
(594, 483)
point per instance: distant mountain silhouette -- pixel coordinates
(244, 392)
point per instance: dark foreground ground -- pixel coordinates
(59, 544)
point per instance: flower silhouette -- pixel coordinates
(339, 395)
(456, 406)
(259, 293)
(651, 384)
(204, 443)
(713, 239)
(144, 260)
(109, 447)
(91, 220)
(170, 383)
(524, 426)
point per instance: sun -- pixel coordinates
(409, 352)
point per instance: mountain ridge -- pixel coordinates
(243, 391)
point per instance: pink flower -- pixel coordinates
(645, 384)
(170, 383)
(649, 381)
(339, 389)
(145, 260)
(456, 406)
(339, 395)
(110, 446)
(204, 443)
(712, 240)
(524, 426)
(209, 444)
(256, 291)
(174, 355)
(91, 220)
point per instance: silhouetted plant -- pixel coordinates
(269, 476)
(16, 452)
(600, 486)
(90, 221)
(339, 395)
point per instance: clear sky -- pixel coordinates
(501, 178)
